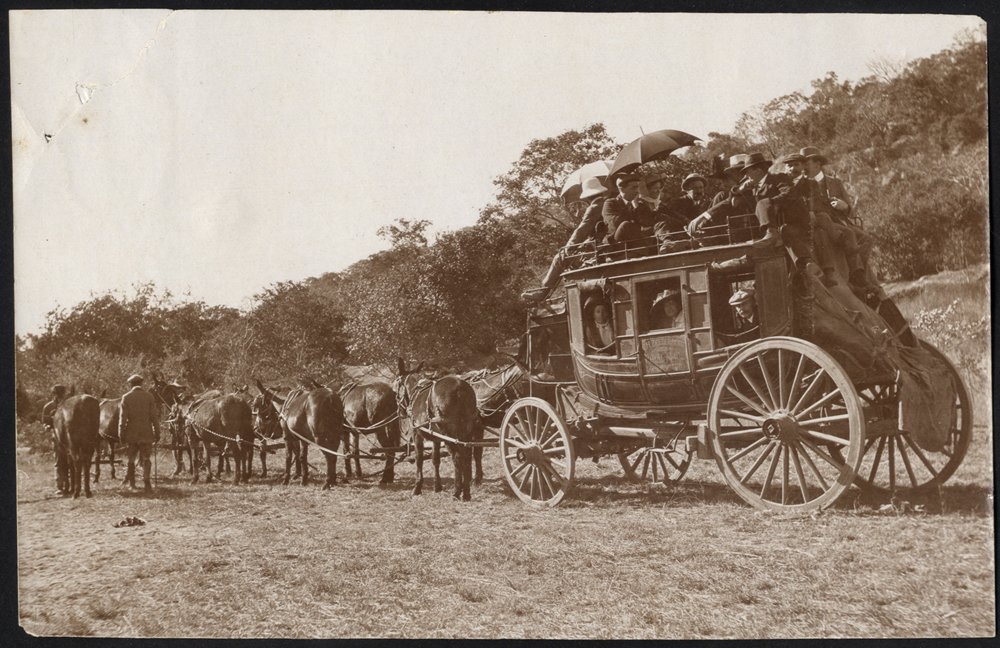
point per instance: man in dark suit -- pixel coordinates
(591, 226)
(138, 428)
(830, 206)
(627, 215)
(693, 202)
(48, 414)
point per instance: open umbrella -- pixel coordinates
(574, 183)
(651, 146)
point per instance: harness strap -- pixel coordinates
(221, 436)
(382, 423)
(318, 446)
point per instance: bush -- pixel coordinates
(34, 437)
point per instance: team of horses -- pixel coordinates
(450, 409)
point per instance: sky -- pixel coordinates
(217, 152)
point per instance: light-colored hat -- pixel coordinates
(741, 295)
(626, 178)
(691, 178)
(793, 157)
(592, 187)
(134, 379)
(811, 152)
(736, 163)
(665, 295)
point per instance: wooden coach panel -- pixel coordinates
(611, 380)
(774, 295)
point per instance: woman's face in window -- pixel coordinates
(671, 308)
(600, 314)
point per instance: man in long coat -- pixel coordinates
(48, 414)
(138, 429)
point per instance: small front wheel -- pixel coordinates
(537, 451)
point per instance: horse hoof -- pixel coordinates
(89, 494)
(466, 497)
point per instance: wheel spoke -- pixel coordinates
(820, 403)
(534, 482)
(561, 464)
(744, 433)
(817, 378)
(654, 463)
(756, 389)
(516, 444)
(635, 464)
(548, 482)
(549, 439)
(519, 468)
(825, 419)
(749, 417)
(770, 469)
(782, 385)
(757, 463)
(767, 381)
(558, 450)
(794, 385)
(524, 477)
(746, 400)
(821, 454)
(552, 473)
(645, 464)
(673, 463)
(920, 455)
(523, 431)
(747, 450)
(812, 468)
(877, 461)
(892, 464)
(906, 462)
(663, 466)
(798, 472)
(820, 436)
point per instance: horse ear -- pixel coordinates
(104, 393)
(419, 367)
(400, 367)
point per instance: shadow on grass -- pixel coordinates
(959, 499)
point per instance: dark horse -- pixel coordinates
(225, 421)
(309, 416)
(266, 427)
(446, 405)
(371, 408)
(75, 423)
(495, 390)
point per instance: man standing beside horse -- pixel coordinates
(139, 429)
(48, 413)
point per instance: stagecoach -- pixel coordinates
(815, 397)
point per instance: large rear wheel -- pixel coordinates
(537, 452)
(786, 425)
(893, 462)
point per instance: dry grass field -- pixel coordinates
(616, 560)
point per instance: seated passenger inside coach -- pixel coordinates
(665, 311)
(598, 332)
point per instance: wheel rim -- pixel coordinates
(537, 452)
(893, 462)
(776, 409)
(656, 465)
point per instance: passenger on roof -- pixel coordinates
(591, 227)
(693, 202)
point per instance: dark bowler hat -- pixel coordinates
(757, 160)
(58, 390)
(793, 157)
(626, 178)
(812, 153)
(691, 178)
(134, 379)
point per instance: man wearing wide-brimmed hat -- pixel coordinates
(138, 429)
(591, 226)
(794, 164)
(830, 207)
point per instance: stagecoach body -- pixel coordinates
(791, 419)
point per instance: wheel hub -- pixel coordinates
(781, 427)
(531, 454)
